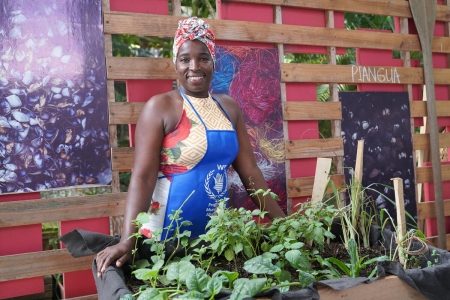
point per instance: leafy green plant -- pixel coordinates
(269, 253)
(358, 215)
(233, 232)
(356, 263)
(401, 248)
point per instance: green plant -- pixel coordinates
(358, 215)
(266, 251)
(402, 248)
(233, 232)
(356, 263)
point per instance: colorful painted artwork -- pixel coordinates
(382, 120)
(53, 107)
(252, 77)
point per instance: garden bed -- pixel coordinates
(428, 282)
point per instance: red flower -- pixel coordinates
(146, 232)
(180, 133)
(172, 169)
(155, 205)
(155, 208)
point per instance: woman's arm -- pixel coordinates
(150, 131)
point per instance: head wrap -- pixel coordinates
(193, 29)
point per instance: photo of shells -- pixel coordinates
(53, 107)
(252, 77)
(382, 120)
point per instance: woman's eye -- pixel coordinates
(184, 60)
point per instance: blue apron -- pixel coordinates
(208, 179)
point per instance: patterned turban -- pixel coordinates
(193, 29)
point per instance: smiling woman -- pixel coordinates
(186, 140)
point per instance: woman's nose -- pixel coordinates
(194, 65)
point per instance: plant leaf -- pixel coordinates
(192, 295)
(284, 276)
(297, 259)
(260, 265)
(163, 279)
(269, 255)
(341, 265)
(244, 288)
(305, 278)
(380, 258)
(297, 245)
(198, 280)
(248, 251)
(142, 218)
(229, 254)
(127, 297)
(145, 274)
(276, 248)
(231, 276)
(142, 263)
(150, 294)
(238, 248)
(214, 286)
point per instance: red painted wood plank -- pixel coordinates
(82, 283)
(141, 91)
(21, 239)
(160, 7)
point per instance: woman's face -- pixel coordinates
(194, 68)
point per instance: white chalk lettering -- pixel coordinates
(354, 72)
(375, 74)
(380, 76)
(365, 75)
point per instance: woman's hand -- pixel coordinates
(120, 252)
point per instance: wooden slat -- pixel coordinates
(426, 210)
(124, 112)
(312, 111)
(303, 187)
(42, 263)
(123, 68)
(375, 7)
(433, 240)
(89, 297)
(28, 212)
(422, 141)
(425, 174)
(351, 74)
(122, 159)
(390, 287)
(140, 68)
(314, 148)
(419, 108)
(165, 26)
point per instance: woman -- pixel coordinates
(185, 142)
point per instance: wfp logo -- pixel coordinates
(216, 183)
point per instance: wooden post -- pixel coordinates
(321, 179)
(424, 14)
(176, 7)
(359, 161)
(279, 20)
(401, 219)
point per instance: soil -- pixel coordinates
(336, 250)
